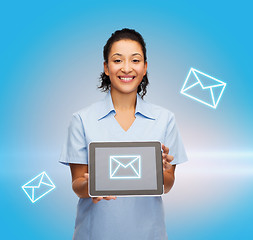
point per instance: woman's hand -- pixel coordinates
(166, 158)
(97, 199)
(168, 169)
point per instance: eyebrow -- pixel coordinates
(121, 54)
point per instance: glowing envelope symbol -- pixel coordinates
(38, 187)
(203, 88)
(125, 167)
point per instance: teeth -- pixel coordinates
(126, 79)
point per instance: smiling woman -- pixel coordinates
(127, 68)
(125, 53)
(122, 115)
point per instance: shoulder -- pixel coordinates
(90, 111)
(160, 112)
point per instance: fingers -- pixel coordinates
(110, 197)
(166, 166)
(165, 149)
(167, 157)
(86, 176)
(97, 199)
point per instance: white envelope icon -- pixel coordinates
(38, 187)
(203, 88)
(124, 167)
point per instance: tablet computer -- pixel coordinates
(125, 168)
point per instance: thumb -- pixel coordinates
(86, 176)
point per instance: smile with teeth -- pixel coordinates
(126, 79)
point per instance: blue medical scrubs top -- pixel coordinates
(126, 218)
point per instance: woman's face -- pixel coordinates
(126, 66)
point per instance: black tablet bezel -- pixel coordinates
(159, 169)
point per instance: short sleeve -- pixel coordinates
(74, 149)
(174, 142)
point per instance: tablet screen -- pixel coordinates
(125, 168)
(132, 168)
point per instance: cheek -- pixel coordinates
(114, 69)
(140, 70)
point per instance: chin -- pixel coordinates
(125, 90)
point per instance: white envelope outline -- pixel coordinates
(216, 83)
(136, 173)
(31, 186)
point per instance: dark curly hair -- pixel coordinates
(130, 34)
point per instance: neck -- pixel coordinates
(123, 101)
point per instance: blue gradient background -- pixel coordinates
(51, 58)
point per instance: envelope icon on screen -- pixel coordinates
(38, 187)
(125, 167)
(203, 88)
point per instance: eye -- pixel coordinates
(117, 60)
(136, 60)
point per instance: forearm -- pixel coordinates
(80, 187)
(168, 179)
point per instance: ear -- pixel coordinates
(145, 66)
(106, 69)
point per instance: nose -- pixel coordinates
(126, 67)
